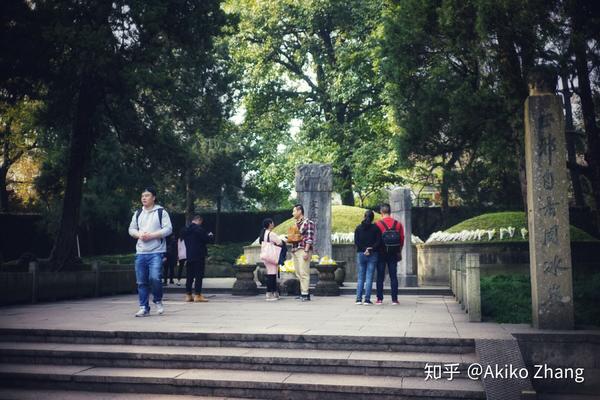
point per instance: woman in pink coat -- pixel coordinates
(267, 234)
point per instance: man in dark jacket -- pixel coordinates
(196, 238)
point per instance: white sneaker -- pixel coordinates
(160, 309)
(358, 302)
(271, 297)
(142, 312)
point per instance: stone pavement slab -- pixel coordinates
(415, 316)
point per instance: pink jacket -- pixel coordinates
(273, 238)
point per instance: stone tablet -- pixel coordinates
(314, 183)
(547, 211)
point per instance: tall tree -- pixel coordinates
(316, 61)
(111, 66)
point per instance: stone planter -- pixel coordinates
(340, 273)
(244, 280)
(289, 285)
(327, 285)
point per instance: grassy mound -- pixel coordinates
(516, 219)
(344, 219)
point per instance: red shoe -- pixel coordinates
(378, 302)
(395, 303)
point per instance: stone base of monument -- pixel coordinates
(289, 285)
(327, 285)
(244, 281)
(407, 281)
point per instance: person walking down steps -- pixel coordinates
(150, 225)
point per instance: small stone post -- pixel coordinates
(314, 184)
(547, 206)
(473, 288)
(34, 271)
(96, 270)
(401, 204)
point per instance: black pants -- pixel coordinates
(195, 273)
(169, 268)
(272, 283)
(180, 269)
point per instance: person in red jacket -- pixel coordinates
(392, 233)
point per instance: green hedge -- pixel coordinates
(516, 219)
(507, 299)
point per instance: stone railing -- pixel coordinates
(465, 284)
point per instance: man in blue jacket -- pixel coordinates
(195, 238)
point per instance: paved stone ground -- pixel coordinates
(416, 316)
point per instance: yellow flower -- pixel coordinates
(242, 260)
(327, 260)
(315, 258)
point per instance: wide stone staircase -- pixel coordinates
(265, 366)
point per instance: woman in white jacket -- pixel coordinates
(181, 255)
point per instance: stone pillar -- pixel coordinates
(473, 288)
(314, 183)
(401, 204)
(547, 206)
(34, 269)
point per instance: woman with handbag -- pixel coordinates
(270, 250)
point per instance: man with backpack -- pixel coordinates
(150, 225)
(392, 240)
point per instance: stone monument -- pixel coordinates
(401, 204)
(547, 207)
(314, 184)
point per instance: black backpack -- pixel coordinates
(137, 217)
(391, 237)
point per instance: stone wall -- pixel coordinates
(567, 351)
(434, 260)
(34, 286)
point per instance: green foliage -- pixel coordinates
(516, 219)
(312, 66)
(507, 299)
(224, 253)
(344, 219)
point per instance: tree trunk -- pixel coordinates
(513, 76)
(189, 198)
(3, 190)
(82, 139)
(592, 154)
(570, 140)
(346, 192)
(444, 192)
(4, 166)
(218, 218)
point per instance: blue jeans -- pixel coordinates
(391, 261)
(148, 271)
(366, 266)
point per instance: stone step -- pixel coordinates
(369, 363)
(30, 394)
(247, 384)
(250, 340)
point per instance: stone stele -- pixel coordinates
(547, 210)
(314, 184)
